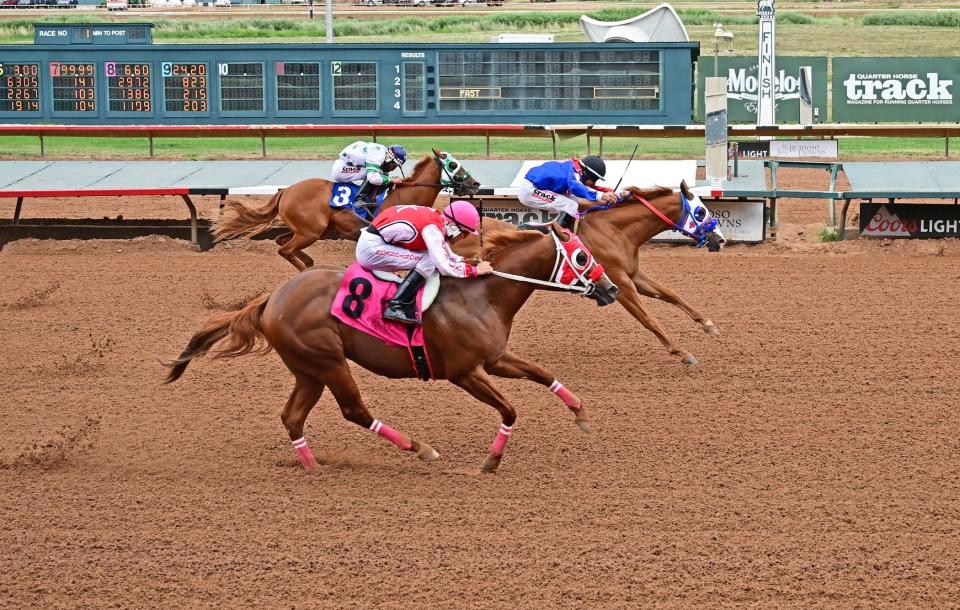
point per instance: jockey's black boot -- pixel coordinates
(364, 195)
(402, 307)
(567, 221)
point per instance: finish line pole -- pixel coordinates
(329, 21)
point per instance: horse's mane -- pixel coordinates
(649, 193)
(420, 164)
(498, 240)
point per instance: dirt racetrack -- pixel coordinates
(808, 461)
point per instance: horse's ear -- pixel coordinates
(685, 189)
(437, 153)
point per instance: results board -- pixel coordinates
(493, 83)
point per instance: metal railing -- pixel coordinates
(555, 132)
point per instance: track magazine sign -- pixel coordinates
(743, 86)
(909, 220)
(888, 89)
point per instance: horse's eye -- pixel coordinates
(454, 166)
(700, 214)
(581, 259)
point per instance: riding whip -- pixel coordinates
(626, 168)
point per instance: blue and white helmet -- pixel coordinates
(397, 154)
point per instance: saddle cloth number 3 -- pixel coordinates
(342, 196)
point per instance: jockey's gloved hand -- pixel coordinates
(484, 268)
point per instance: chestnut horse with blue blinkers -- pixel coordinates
(615, 232)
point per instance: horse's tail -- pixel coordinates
(240, 220)
(242, 330)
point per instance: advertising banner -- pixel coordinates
(909, 220)
(891, 89)
(787, 149)
(740, 221)
(743, 87)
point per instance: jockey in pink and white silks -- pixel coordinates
(418, 238)
(369, 162)
(556, 186)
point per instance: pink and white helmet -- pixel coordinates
(464, 215)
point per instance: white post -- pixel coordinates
(806, 95)
(329, 21)
(715, 107)
(766, 64)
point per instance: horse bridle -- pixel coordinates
(448, 178)
(699, 235)
(587, 285)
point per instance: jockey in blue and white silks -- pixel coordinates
(556, 186)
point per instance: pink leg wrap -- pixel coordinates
(304, 453)
(501, 441)
(390, 434)
(565, 395)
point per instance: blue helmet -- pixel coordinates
(399, 154)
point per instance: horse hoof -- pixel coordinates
(427, 453)
(691, 360)
(711, 329)
(585, 425)
(490, 464)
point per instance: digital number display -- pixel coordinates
(354, 85)
(74, 87)
(298, 86)
(413, 87)
(19, 87)
(128, 87)
(545, 80)
(241, 87)
(184, 87)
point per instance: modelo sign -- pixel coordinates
(878, 89)
(743, 86)
(909, 220)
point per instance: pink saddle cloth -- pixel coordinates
(360, 303)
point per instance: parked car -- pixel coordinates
(117, 5)
(8, 3)
(222, 3)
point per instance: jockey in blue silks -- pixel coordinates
(556, 185)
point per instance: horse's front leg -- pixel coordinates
(630, 299)
(478, 384)
(512, 367)
(649, 287)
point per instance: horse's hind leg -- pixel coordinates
(345, 390)
(292, 249)
(478, 384)
(649, 287)
(513, 367)
(306, 393)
